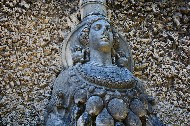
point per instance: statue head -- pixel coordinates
(97, 35)
(101, 36)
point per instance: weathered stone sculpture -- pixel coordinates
(97, 87)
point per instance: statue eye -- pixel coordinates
(97, 27)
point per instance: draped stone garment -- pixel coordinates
(88, 94)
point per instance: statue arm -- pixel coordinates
(58, 88)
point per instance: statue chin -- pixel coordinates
(105, 47)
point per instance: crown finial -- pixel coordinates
(93, 7)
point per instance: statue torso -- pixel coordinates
(80, 82)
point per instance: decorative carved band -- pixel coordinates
(84, 3)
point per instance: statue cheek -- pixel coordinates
(95, 37)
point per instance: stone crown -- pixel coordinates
(85, 2)
(93, 7)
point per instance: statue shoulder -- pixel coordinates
(63, 78)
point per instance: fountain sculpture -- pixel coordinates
(98, 87)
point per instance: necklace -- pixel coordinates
(108, 76)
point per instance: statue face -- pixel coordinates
(101, 36)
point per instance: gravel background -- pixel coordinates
(31, 35)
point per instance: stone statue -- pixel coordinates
(98, 87)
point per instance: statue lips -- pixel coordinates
(105, 38)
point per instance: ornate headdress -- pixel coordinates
(91, 11)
